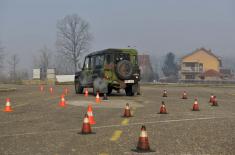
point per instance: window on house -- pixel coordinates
(189, 64)
(189, 77)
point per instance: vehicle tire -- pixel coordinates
(138, 89)
(124, 69)
(110, 89)
(128, 90)
(78, 88)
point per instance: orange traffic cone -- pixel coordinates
(86, 127)
(97, 98)
(51, 90)
(90, 115)
(143, 143)
(41, 88)
(62, 101)
(66, 91)
(163, 108)
(214, 101)
(184, 96)
(8, 106)
(86, 92)
(195, 105)
(164, 93)
(127, 111)
(211, 98)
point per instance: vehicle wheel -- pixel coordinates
(128, 90)
(136, 89)
(78, 88)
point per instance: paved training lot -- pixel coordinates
(38, 126)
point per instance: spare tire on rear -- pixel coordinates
(124, 69)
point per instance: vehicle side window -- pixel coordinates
(86, 63)
(99, 61)
(134, 60)
(92, 62)
(108, 59)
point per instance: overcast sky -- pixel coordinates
(153, 26)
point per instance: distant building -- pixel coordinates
(146, 70)
(227, 74)
(200, 64)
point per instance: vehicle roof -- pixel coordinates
(112, 50)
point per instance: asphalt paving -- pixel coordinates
(38, 126)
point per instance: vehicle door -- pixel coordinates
(87, 72)
(98, 71)
(108, 66)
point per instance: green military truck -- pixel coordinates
(110, 69)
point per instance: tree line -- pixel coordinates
(73, 40)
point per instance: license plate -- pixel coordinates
(129, 81)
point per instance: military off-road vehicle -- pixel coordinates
(110, 69)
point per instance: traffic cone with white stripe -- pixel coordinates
(143, 143)
(127, 111)
(211, 98)
(163, 108)
(41, 88)
(51, 90)
(66, 91)
(214, 101)
(86, 92)
(97, 98)
(86, 126)
(90, 115)
(62, 101)
(8, 106)
(184, 95)
(164, 93)
(195, 105)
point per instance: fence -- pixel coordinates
(208, 81)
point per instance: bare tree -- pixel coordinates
(63, 65)
(13, 64)
(23, 74)
(170, 68)
(43, 60)
(73, 38)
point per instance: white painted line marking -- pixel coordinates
(110, 126)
